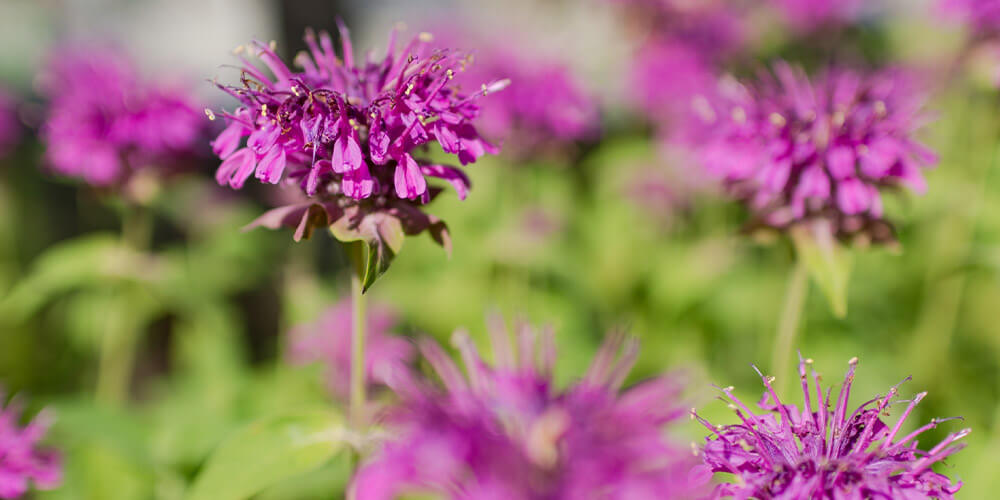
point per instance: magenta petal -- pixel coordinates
(235, 162)
(228, 140)
(409, 182)
(272, 165)
(358, 183)
(262, 139)
(853, 196)
(454, 176)
(346, 154)
(840, 162)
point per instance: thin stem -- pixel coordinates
(357, 402)
(118, 344)
(788, 323)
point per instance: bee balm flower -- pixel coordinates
(104, 123)
(351, 133)
(22, 460)
(823, 451)
(505, 431)
(795, 149)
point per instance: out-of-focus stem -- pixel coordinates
(788, 323)
(117, 353)
(357, 401)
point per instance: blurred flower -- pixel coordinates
(505, 431)
(545, 107)
(795, 150)
(712, 27)
(685, 42)
(808, 15)
(105, 124)
(10, 126)
(665, 77)
(22, 460)
(823, 452)
(347, 133)
(328, 340)
(981, 16)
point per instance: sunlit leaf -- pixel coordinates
(267, 452)
(828, 261)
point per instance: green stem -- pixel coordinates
(358, 320)
(788, 323)
(118, 344)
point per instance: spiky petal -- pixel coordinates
(23, 461)
(822, 450)
(505, 431)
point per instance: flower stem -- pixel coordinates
(117, 354)
(788, 323)
(357, 401)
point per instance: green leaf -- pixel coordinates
(379, 237)
(267, 452)
(69, 265)
(828, 261)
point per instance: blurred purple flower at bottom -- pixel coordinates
(794, 149)
(10, 126)
(504, 431)
(824, 452)
(104, 122)
(22, 460)
(328, 341)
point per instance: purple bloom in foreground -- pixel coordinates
(351, 132)
(328, 340)
(796, 150)
(104, 123)
(22, 460)
(10, 126)
(823, 452)
(504, 431)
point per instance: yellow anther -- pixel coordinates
(209, 114)
(838, 118)
(777, 120)
(739, 115)
(426, 37)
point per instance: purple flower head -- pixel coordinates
(351, 133)
(328, 340)
(809, 15)
(104, 123)
(795, 150)
(824, 452)
(505, 431)
(10, 126)
(22, 460)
